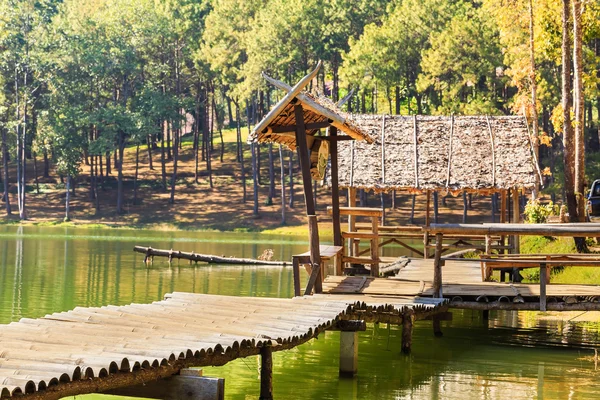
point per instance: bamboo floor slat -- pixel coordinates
(82, 350)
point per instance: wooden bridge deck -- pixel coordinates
(462, 284)
(97, 349)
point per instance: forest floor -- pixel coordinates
(198, 206)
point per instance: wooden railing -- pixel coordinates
(543, 262)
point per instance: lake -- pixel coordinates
(512, 355)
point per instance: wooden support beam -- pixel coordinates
(408, 319)
(516, 218)
(375, 247)
(335, 189)
(316, 277)
(352, 249)
(335, 139)
(189, 384)
(292, 128)
(266, 373)
(296, 275)
(313, 228)
(437, 266)
(348, 353)
(543, 280)
(349, 325)
(427, 223)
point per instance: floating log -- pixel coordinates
(208, 258)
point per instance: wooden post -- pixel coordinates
(313, 229)
(543, 280)
(464, 196)
(352, 250)
(335, 190)
(437, 326)
(296, 274)
(266, 373)
(502, 220)
(316, 276)
(427, 224)
(437, 267)
(436, 210)
(408, 318)
(348, 353)
(516, 218)
(375, 247)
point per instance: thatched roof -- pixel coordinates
(279, 125)
(477, 153)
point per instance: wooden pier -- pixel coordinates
(102, 349)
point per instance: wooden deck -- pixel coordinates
(462, 285)
(97, 349)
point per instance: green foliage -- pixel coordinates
(538, 213)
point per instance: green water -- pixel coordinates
(514, 356)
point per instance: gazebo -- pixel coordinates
(447, 154)
(298, 121)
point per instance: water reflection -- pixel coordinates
(511, 355)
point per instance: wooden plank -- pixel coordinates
(568, 230)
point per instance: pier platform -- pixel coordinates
(462, 287)
(100, 349)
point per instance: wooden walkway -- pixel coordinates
(97, 349)
(462, 285)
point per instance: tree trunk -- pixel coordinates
(135, 177)
(35, 174)
(271, 176)
(579, 104)
(68, 199)
(397, 93)
(98, 158)
(92, 193)
(46, 164)
(291, 174)
(149, 144)
(241, 155)
(282, 167)
(254, 179)
(167, 128)
(120, 174)
(108, 168)
(175, 160)
(163, 167)
(207, 139)
(568, 134)
(534, 114)
(5, 194)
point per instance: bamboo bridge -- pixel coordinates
(103, 349)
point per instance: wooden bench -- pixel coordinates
(327, 253)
